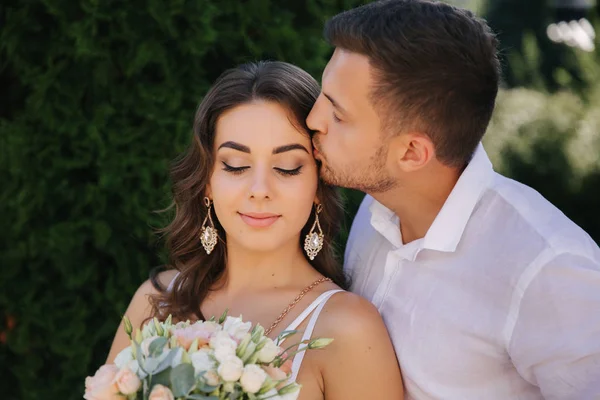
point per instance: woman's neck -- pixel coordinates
(251, 271)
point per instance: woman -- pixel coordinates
(246, 236)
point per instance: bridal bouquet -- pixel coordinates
(204, 360)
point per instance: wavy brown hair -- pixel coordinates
(278, 82)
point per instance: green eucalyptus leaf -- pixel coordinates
(182, 380)
(157, 346)
(200, 397)
(161, 378)
(167, 361)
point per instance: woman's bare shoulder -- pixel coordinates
(139, 309)
(346, 312)
(361, 351)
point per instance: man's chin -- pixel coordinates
(329, 177)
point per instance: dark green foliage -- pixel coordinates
(97, 98)
(529, 57)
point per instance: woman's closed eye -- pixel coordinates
(289, 172)
(233, 170)
(240, 170)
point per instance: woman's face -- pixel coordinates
(264, 180)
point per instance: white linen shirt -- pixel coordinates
(499, 300)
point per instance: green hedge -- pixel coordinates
(97, 98)
(530, 58)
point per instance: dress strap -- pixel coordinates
(170, 287)
(318, 307)
(300, 318)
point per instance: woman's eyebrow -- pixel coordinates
(289, 147)
(276, 150)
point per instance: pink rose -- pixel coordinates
(160, 392)
(102, 386)
(286, 367)
(127, 381)
(275, 373)
(201, 331)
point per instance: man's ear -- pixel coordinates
(412, 151)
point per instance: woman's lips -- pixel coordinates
(259, 220)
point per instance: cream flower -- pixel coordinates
(231, 369)
(124, 357)
(236, 327)
(252, 378)
(269, 351)
(202, 361)
(223, 345)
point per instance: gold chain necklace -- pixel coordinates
(294, 302)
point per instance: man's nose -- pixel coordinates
(315, 120)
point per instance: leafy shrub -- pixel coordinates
(98, 97)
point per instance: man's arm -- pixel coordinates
(555, 343)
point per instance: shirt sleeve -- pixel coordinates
(555, 343)
(352, 253)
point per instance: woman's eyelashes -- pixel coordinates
(233, 170)
(289, 172)
(240, 170)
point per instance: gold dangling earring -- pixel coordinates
(313, 243)
(208, 236)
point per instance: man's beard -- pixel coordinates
(374, 179)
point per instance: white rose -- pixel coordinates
(213, 326)
(223, 353)
(124, 357)
(269, 351)
(135, 367)
(252, 378)
(223, 345)
(231, 369)
(202, 361)
(236, 327)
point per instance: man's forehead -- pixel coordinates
(345, 61)
(347, 71)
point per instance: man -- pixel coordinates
(488, 291)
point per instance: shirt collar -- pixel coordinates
(449, 225)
